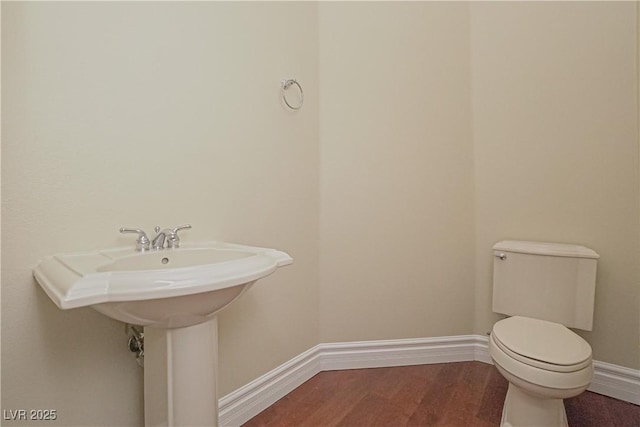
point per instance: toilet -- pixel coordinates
(545, 288)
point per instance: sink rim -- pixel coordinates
(70, 287)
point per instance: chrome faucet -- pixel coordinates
(158, 242)
(168, 235)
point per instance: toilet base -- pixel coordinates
(523, 409)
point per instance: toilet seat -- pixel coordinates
(542, 344)
(548, 379)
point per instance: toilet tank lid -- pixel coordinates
(543, 248)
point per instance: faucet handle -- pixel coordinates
(181, 227)
(142, 243)
(173, 241)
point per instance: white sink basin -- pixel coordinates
(170, 288)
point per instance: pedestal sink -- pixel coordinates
(175, 294)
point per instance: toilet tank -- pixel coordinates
(547, 281)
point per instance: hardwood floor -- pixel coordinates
(449, 394)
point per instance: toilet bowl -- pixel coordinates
(544, 362)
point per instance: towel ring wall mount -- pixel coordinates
(286, 84)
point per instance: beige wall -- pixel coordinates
(396, 171)
(140, 114)
(429, 131)
(556, 148)
(543, 99)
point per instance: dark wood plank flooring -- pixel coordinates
(448, 394)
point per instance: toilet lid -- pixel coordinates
(540, 340)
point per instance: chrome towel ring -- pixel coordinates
(286, 84)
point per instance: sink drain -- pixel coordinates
(165, 260)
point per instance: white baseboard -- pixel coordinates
(376, 354)
(248, 401)
(616, 381)
(240, 406)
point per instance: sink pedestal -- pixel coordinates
(180, 372)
